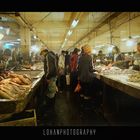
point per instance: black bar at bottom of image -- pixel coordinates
(69, 131)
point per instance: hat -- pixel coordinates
(87, 49)
(43, 50)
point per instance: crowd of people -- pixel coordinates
(71, 68)
(66, 71)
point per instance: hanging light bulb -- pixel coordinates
(130, 43)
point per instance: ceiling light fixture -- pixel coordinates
(74, 23)
(69, 32)
(35, 37)
(63, 44)
(15, 42)
(124, 39)
(1, 27)
(7, 31)
(11, 44)
(130, 43)
(18, 39)
(1, 36)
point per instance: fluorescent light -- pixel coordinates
(109, 49)
(124, 39)
(7, 31)
(16, 42)
(74, 23)
(10, 44)
(35, 48)
(1, 36)
(69, 32)
(18, 39)
(136, 36)
(94, 51)
(35, 37)
(63, 44)
(99, 46)
(130, 43)
(1, 27)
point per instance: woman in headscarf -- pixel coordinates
(85, 72)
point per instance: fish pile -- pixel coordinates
(14, 86)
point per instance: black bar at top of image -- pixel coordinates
(70, 5)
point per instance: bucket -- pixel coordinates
(67, 79)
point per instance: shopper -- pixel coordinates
(67, 69)
(61, 72)
(136, 58)
(85, 72)
(50, 69)
(67, 62)
(73, 69)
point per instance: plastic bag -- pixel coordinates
(78, 88)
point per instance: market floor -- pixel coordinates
(69, 112)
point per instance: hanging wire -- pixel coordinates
(42, 19)
(129, 26)
(109, 22)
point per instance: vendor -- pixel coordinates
(5, 59)
(118, 59)
(100, 58)
(136, 58)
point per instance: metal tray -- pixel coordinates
(10, 107)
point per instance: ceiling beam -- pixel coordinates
(74, 16)
(106, 21)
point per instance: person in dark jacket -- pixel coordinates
(85, 72)
(67, 62)
(50, 76)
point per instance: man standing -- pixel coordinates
(50, 69)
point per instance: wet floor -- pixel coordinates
(69, 111)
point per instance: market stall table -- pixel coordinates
(117, 90)
(10, 107)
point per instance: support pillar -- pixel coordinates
(25, 37)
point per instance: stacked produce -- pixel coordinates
(14, 86)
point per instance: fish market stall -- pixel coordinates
(121, 92)
(10, 105)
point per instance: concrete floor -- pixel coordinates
(69, 111)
